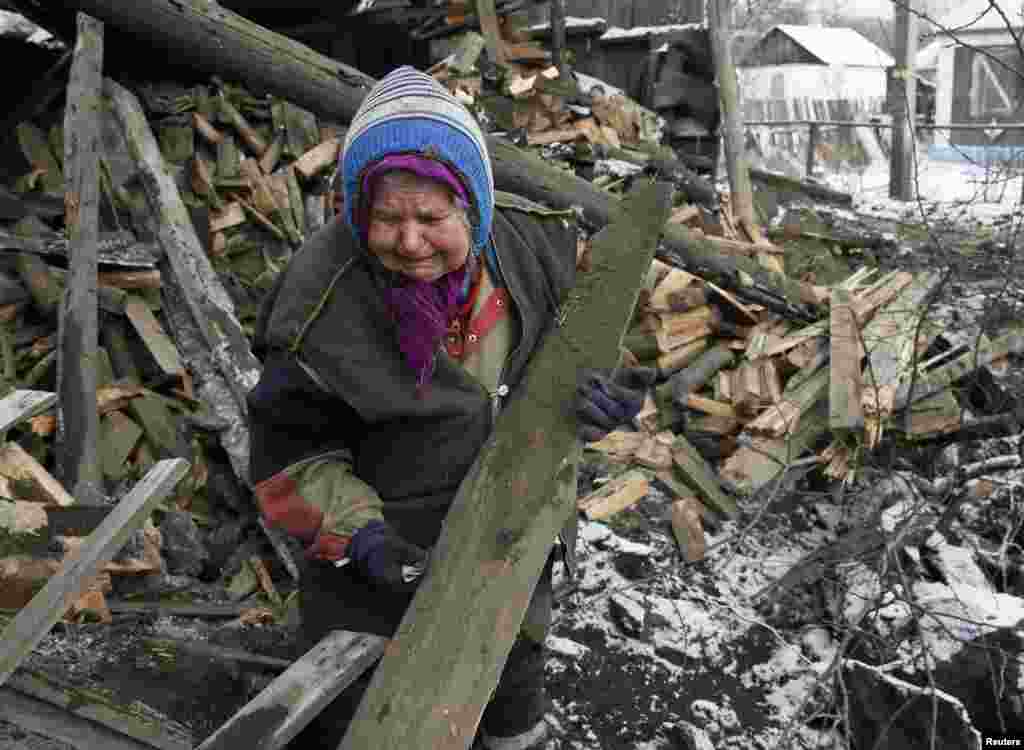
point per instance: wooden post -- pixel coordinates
(489, 26)
(732, 121)
(558, 37)
(812, 145)
(444, 662)
(79, 319)
(903, 103)
(34, 621)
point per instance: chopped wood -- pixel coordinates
(692, 378)
(648, 417)
(159, 344)
(675, 282)
(687, 528)
(260, 218)
(713, 423)
(520, 85)
(466, 54)
(745, 310)
(131, 279)
(112, 397)
(655, 451)
(237, 120)
(561, 135)
(317, 159)
(748, 391)
(298, 695)
(680, 357)
(614, 496)
(263, 199)
(781, 419)
(890, 338)
(771, 380)
(34, 482)
(710, 406)
(760, 460)
(34, 621)
(120, 435)
(695, 471)
(678, 329)
(939, 414)
(206, 130)
(845, 413)
(685, 214)
(230, 216)
(271, 157)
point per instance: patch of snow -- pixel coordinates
(566, 647)
(618, 33)
(576, 23)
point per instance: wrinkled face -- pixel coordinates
(416, 228)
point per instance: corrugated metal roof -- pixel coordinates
(979, 15)
(838, 46)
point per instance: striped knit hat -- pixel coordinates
(408, 112)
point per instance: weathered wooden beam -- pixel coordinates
(214, 39)
(845, 385)
(445, 660)
(59, 713)
(79, 316)
(205, 296)
(616, 495)
(291, 701)
(34, 621)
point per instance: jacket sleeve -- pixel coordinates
(301, 467)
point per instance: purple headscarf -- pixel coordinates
(423, 310)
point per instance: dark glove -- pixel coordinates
(386, 559)
(604, 403)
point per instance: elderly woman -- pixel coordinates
(390, 344)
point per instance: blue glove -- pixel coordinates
(385, 559)
(604, 403)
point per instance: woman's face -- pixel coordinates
(416, 228)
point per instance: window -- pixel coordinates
(996, 88)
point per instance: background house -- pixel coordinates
(980, 79)
(813, 73)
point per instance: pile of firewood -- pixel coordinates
(745, 394)
(533, 98)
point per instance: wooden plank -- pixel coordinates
(292, 700)
(35, 620)
(845, 385)
(695, 471)
(17, 465)
(488, 17)
(79, 329)
(55, 721)
(159, 344)
(687, 527)
(447, 655)
(782, 418)
(20, 406)
(614, 496)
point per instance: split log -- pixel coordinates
(780, 419)
(620, 493)
(445, 660)
(687, 528)
(844, 376)
(34, 621)
(706, 366)
(695, 471)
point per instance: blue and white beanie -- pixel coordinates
(408, 112)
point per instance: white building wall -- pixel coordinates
(944, 77)
(813, 83)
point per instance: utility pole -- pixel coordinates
(902, 94)
(742, 197)
(558, 37)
